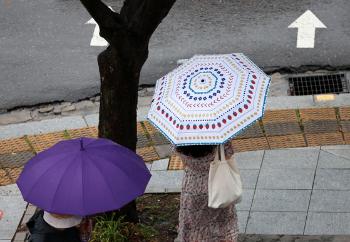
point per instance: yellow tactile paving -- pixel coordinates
(175, 163)
(140, 130)
(4, 178)
(149, 127)
(280, 116)
(286, 141)
(347, 138)
(344, 113)
(147, 153)
(45, 141)
(84, 132)
(318, 114)
(240, 145)
(14, 173)
(13, 145)
(335, 138)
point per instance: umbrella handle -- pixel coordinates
(81, 144)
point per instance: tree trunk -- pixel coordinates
(118, 107)
(128, 34)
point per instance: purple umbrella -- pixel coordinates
(83, 176)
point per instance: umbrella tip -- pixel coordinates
(81, 144)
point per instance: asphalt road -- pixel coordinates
(45, 52)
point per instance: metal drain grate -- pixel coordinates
(318, 84)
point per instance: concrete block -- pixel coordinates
(92, 120)
(242, 221)
(332, 179)
(291, 158)
(327, 223)
(162, 181)
(249, 178)
(334, 159)
(249, 160)
(289, 102)
(285, 178)
(247, 198)
(330, 201)
(281, 200)
(276, 223)
(142, 113)
(160, 165)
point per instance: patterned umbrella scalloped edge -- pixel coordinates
(229, 138)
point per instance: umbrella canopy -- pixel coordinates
(209, 99)
(83, 176)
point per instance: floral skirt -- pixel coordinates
(198, 222)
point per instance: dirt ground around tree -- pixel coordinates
(160, 211)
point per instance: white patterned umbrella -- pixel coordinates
(209, 99)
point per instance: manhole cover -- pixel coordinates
(311, 84)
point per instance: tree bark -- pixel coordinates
(128, 35)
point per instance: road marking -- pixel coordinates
(307, 24)
(96, 39)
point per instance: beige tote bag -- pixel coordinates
(224, 183)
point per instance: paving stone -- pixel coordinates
(160, 165)
(335, 147)
(45, 109)
(162, 181)
(68, 108)
(142, 141)
(163, 150)
(285, 178)
(13, 206)
(281, 200)
(159, 139)
(289, 102)
(332, 179)
(85, 105)
(249, 178)
(332, 159)
(13, 145)
(276, 223)
(247, 198)
(249, 160)
(290, 158)
(92, 120)
(147, 153)
(10, 190)
(291, 238)
(4, 178)
(38, 127)
(15, 159)
(145, 101)
(330, 201)
(142, 113)
(327, 223)
(15, 117)
(83, 132)
(242, 220)
(149, 166)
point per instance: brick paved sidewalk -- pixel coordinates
(279, 129)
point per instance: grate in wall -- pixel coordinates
(318, 84)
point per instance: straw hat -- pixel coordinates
(61, 222)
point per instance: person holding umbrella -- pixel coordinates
(46, 227)
(77, 178)
(199, 106)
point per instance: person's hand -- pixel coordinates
(1, 214)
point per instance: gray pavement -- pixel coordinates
(279, 196)
(300, 191)
(13, 206)
(46, 54)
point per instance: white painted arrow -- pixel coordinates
(307, 24)
(96, 39)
